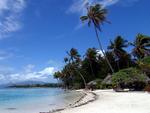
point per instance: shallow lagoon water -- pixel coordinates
(35, 100)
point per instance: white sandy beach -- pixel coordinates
(111, 102)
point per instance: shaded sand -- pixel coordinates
(109, 101)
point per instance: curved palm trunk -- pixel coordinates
(118, 65)
(83, 79)
(91, 68)
(80, 75)
(100, 45)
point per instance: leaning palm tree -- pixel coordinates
(141, 46)
(96, 15)
(75, 62)
(91, 56)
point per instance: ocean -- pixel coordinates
(35, 100)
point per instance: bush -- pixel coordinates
(76, 86)
(144, 64)
(105, 86)
(131, 78)
(95, 84)
(101, 85)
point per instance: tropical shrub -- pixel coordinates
(101, 85)
(76, 86)
(144, 64)
(105, 86)
(95, 84)
(131, 78)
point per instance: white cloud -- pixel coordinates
(99, 52)
(10, 11)
(106, 3)
(79, 6)
(45, 75)
(48, 70)
(29, 68)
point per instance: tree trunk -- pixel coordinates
(82, 79)
(91, 68)
(80, 74)
(100, 46)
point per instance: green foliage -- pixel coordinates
(105, 86)
(117, 47)
(96, 15)
(57, 75)
(141, 46)
(95, 84)
(78, 70)
(144, 64)
(146, 60)
(129, 78)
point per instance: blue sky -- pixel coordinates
(35, 34)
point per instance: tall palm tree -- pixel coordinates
(91, 56)
(117, 47)
(75, 61)
(141, 46)
(96, 15)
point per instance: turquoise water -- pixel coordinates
(35, 100)
(18, 95)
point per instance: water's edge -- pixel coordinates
(86, 98)
(12, 100)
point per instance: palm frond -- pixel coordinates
(84, 18)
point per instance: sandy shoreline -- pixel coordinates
(108, 101)
(86, 98)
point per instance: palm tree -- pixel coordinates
(118, 45)
(75, 61)
(62, 76)
(91, 56)
(117, 48)
(96, 15)
(141, 46)
(57, 75)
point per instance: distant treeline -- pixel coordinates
(51, 85)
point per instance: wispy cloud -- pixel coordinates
(10, 11)
(5, 55)
(79, 6)
(55, 63)
(7, 74)
(29, 68)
